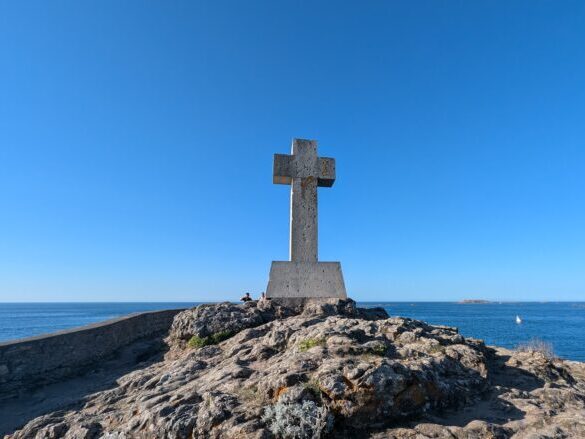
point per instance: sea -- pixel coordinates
(562, 324)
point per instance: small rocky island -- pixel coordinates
(326, 369)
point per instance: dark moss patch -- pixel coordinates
(199, 342)
(309, 343)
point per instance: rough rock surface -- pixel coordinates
(329, 370)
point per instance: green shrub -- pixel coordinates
(198, 342)
(379, 349)
(309, 343)
(218, 337)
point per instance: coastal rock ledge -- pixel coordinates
(327, 369)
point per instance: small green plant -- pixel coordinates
(198, 342)
(309, 343)
(379, 349)
(218, 337)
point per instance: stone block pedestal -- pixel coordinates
(290, 279)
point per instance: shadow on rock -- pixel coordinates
(74, 392)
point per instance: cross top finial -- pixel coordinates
(304, 147)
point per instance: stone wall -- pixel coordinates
(44, 359)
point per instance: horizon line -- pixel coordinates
(487, 301)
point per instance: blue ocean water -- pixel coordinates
(560, 323)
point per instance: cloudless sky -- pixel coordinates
(136, 143)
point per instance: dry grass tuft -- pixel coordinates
(537, 345)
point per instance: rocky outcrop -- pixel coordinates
(328, 370)
(207, 320)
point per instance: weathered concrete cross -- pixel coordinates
(304, 171)
(303, 276)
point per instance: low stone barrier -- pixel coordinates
(34, 361)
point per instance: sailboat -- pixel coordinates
(518, 319)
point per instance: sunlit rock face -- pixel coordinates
(328, 369)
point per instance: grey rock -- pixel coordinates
(206, 320)
(358, 372)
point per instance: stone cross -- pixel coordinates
(304, 171)
(303, 276)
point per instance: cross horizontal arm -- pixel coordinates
(286, 168)
(326, 174)
(283, 169)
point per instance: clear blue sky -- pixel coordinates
(136, 143)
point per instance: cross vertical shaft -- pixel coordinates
(303, 220)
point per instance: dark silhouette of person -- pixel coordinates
(246, 298)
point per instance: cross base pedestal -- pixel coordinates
(306, 280)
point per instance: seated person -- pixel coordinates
(246, 298)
